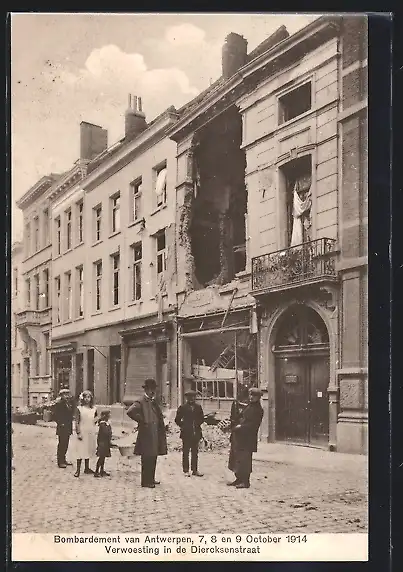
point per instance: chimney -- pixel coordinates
(135, 120)
(93, 140)
(234, 54)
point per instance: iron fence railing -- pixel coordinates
(294, 265)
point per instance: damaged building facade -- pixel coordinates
(271, 234)
(220, 246)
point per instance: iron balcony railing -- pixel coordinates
(305, 262)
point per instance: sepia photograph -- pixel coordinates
(189, 286)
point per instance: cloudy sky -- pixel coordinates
(66, 68)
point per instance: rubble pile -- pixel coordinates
(214, 439)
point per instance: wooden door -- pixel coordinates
(292, 415)
(318, 401)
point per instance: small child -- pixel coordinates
(103, 443)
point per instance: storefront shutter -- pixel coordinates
(141, 364)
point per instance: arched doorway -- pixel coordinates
(302, 377)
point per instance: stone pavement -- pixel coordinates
(326, 492)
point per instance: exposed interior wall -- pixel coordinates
(217, 218)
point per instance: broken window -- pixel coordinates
(161, 185)
(297, 177)
(221, 364)
(295, 103)
(217, 230)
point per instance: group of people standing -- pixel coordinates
(92, 433)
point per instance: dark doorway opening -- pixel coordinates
(90, 370)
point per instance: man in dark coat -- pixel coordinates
(151, 437)
(189, 418)
(244, 439)
(63, 415)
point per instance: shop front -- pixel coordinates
(149, 351)
(217, 357)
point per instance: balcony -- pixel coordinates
(26, 318)
(307, 263)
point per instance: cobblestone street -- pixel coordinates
(284, 497)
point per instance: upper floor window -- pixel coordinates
(46, 287)
(115, 278)
(58, 297)
(36, 233)
(295, 102)
(68, 299)
(68, 229)
(98, 284)
(80, 290)
(115, 205)
(136, 188)
(28, 292)
(36, 287)
(58, 225)
(296, 201)
(97, 222)
(161, 253)
(46, 227)
(27, 239)
(136, 270)
(161, 185)
(15, 272)
(80, 222)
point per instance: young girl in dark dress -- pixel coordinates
(103, 443)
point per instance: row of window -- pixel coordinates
(67, 308)
(33, 239)
(33, 293)
(291, 105)
(65, 230)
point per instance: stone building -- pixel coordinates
(113, 263)
(33, 317)
(223, 244)
(271, 233)
(19, 396)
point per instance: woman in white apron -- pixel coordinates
(85, 437)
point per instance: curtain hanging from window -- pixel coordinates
(301, 209)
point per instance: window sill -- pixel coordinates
(32, 254)
(56, 257)
(68, 250)
(79, 244)
(114, 308)
(96, 313)
(66, 322)
(97, 242)
(243, 274)
(135, 303)
(137, 222)
(114, 233)
(158, 209)
(79, 318)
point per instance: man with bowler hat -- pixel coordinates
(244, 439)
(151, 437)
(63, 415)
(189, 418)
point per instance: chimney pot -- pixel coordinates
(135, 121)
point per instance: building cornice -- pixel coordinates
(35, 191)
(305, 40)
(72, 177)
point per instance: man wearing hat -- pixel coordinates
(151, 437)
(244, 439)
(189, 418)
(63, 415)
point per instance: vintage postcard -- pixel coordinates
(189, 375)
